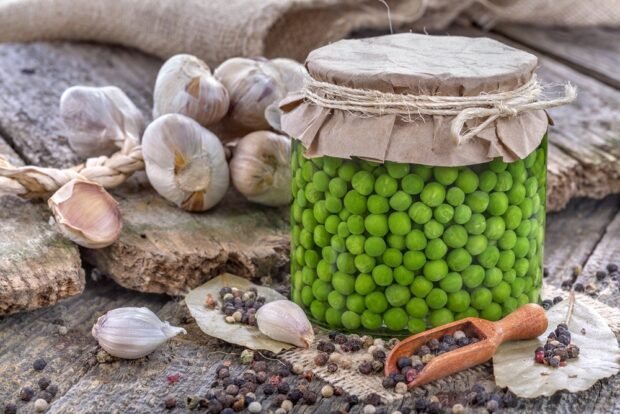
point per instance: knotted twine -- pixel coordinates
(486, 106)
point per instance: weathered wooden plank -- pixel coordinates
(38, 267)
(162, 249)
(594, 51)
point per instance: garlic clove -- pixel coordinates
(285, 321)
(99, 120)
(185, 163)
(252, 85)
(260, 168)
(186, 86)
(86, 214)
(131, 333)
(291, 72)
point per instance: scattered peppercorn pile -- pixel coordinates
(558, 349)
(42, 394)
(237, 305)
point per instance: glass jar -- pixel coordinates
(398, 248)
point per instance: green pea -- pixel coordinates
(414, 260)
(509, 305)
(412, 184)
(377, 204)
(382, 275)
(338, 244)
(297, 212)
(296, 296)
(301, 198)
(343, 230)
(528, 284)
(451, 283)
(392, 257)
(374, 246)
(527, 208)
(376, 302)
(306, 239)
(321, 236)
(332, 204)
(336, 300)
(307, 296)
(311, 258)
(521, 266)
(522, 246)
(308, 170)
(403, 276)
(436, 299)
(330, 165)
(368, 165)
(455, 236)
(399, 223)
(524, 228)
(504, 181)
(355, 202)
(517, 287)
(416, 325)
(440, 317)
(458, 259)
(531, 186)
(510, 275)
(347, 170)
(423, 171)
(473, 276)
(350, 320)
(320, 289)
(501, 292)
(416, 240)
(317, 309)
(488, 181)
(513, 217)
(433, 194)
(517, 170)
(355, 224)
(443, 213)
(468, 313)
(516, 194)
(420, 213)
(481, 297)
(333, 317)
(364, 284)
(308, 220)
(395, 319)
(297, 280)
(508, 240)
(433, 229)
(458, 301)
(536, 204)
(467, 181)
(396, 169)
(421, 286)
(436, 249)
(477, 224)
(371, 320)
(455, 196)
(489, 257)
(523, 299)
(493, 277)
(493, 312)
(445, 175)
(476, 244)
(462, 214)
(400, 201)
(343, 283)
(344, 214)
(320, 181)
(320, 211)
(317, 161)
(329, 254)
(337, 187)
(498, 204)
(363, 182)
(308, 276)
(530, 159)
(324, 270)
(299, 255)
(385, 185)
(345, 263)
(534, 296)
(397, 295)
(364, 263)
(497, 165)
(478, 201)
(435, 270)
(396, 240)
(356, 303)
(313, 195)
(417, 307)
(495, 228)
(295, 232)
(376, 225)
(506, 260)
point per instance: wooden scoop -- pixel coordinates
(527, 322)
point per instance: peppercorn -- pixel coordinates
(379, 355)
(435, 408)
(557, 300)
(365, 368)
(283, 388)
(547, 304)
(579, 287)
(279, 400)
(269, 389)
(308, 375)
(612, 267)
(239, 404)
(284, 372)
(492, 405)
(433, 344)
(223, 373)
(373, 399)
(424, 350)
(463, 341)
(325, 346)
(52, 389)
(340, 339)
(215, 406)
(377, 366)
(332, 367)
(420, 404)
(327, 391)
(388, 382)
(601, 274)
(26, 394)
(10, 408)
(310, 397)
(255, 407)
(170, 402)
(458, 409)
(40, 405)
(321, 359)
(39, 364)
(227, 410)
(259, 366)
(566, 285)
(261, 377)
(400, 388)
(295, 395)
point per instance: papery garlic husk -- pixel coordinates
(292, 73)
(260, 168)
(131, 333)
(186, 86)
(285, 321)
(86, 214)
(252, 86)
(185, 162)
(99, 120)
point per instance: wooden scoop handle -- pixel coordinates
(527, 322)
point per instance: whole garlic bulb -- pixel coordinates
(99, 120)
(252, 85)
(285, 321)
(86, 214)
(185, 163)
(260, 168)
(186, 86)
(131, 333)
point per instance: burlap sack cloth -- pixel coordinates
(215, 30)
(355, 111)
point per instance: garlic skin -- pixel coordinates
(285, 321)
(131, 333)
(186, 86)
(185, 163)
(252, 85)
(260, 168)
(99, 120)
(86, 214)
(292, 73)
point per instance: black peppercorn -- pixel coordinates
(259, 366)
(52, 389)
(10, 408)
(332, 367)
(612, 267)
(579, 287)
(43, 383)
(405, 410)
(420, 404)
(399, 378)
(284, 372)
(39, 364)
(424, 350)
(340, 339)
(295, 395)
(435, 408)
(223, 373)
(321, 359)
(325, 346)
(46, 396)
(239, 381)
(433, 344)
(601, 274)
(448, 339)
(365, 368)
(403, 362)
(509, 400)
(557, 300)
(388, 382)
(373, 399)
(269, 389)
(26, 394)
(215, 406)
(332, 335)
(566, 285)
(352, 400)
(283, 388)
(547, 304)
(310, 397)
(227, 410)
(379, 355)
(545, 272)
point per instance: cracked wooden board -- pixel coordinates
(38, 267)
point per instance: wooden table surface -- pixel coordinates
(584, 161)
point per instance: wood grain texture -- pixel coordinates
(594, 51)
(38, 267)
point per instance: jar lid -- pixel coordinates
(370, 98)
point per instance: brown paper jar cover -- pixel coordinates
(420, 65)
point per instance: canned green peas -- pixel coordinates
(400, 248)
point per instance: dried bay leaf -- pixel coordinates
(599, 357)
(211, 321)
